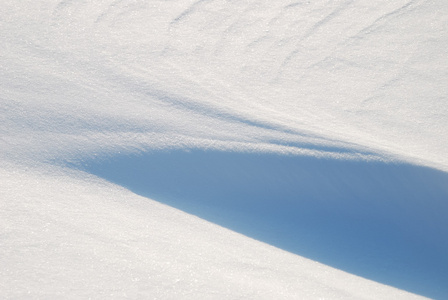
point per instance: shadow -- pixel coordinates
(384, 222)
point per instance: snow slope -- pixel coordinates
(319, 128)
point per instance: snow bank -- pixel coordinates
(383, 221)
(318, 127)
(71, 235)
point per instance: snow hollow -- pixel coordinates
(218, 149)
(382, 221)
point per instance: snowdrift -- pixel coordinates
(383, 221)
(67, 234)
(316, 127)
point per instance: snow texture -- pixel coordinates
(192, 149)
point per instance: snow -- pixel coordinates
(223, 149)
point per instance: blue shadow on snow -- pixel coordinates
(384, 222)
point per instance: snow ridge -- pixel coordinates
(318, 127)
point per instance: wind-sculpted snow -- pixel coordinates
(350, 71)
(319, 127)
(386, 222)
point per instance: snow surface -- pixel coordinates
(269, 133)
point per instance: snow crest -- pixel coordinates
(317, 127)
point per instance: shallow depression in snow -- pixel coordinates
(382, 221)
(333, 87)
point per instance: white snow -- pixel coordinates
(210, 148)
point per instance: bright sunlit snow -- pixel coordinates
(214, 149)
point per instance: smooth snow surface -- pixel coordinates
(316, 129)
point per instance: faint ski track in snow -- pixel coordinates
(411, 5)
(188, 11)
